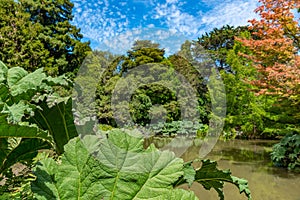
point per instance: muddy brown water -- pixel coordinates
(249, 159)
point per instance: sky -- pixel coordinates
(113, 25)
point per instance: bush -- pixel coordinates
(287, 152)
(179, 128)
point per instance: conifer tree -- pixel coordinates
(38, 33)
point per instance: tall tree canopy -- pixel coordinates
(142, 53)
(38, 33)
(145, 63)
(218, 42)
(275, 50)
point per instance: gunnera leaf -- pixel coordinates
(211, 177)
(58, 121)
(3, 72)
(114, 167)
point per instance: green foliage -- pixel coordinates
(183, 67)
(218, 42)
(179, 128)
(38, 34)
(104, 127)
(202, 132)
(154, 101)
(19, 150)
(246, 113)
(93, 87)
(16, 184)
(109, 176)
(142, 52)
(22, 132)
(209, 176)
(164, 87)
(120, 168)
(139, 107)
(287, 152)
(58, 120)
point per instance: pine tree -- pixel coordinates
(38, 33)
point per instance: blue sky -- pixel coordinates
(115, 24)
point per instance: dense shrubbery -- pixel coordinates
(287, 152)
(174, 128)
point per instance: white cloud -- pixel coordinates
(175, 19)
(114, 25)
(167, 39)
(235, 13)
(171, 1)
(150, 25)
(98, 21)
(123, 3)
(232, 12)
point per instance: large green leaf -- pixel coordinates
(6, 146)
(18, 90)
(15, 75)
(22, 130)
(23, 150)
(4, 92)
(24, 85)
(3, 72)
(211, 177)
(58, 120)
(119, 168)
(179, 194)
(16, 112)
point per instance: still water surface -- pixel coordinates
(249, 159)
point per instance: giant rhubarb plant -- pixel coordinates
(31, 116)
(117, 166)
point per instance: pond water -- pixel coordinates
(249, 159)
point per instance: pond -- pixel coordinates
(249, 159)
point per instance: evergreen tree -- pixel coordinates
(37, 33)
(18, 38)
(218, 42)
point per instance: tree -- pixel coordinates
(141, 53)
(218, 42)
(145, 54)
(147, 68)
(18, 38)
(275, 48)
(275, 55)
(182, 66)
(37, 34)
(246, 113)
(140, 44)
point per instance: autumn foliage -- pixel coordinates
(275, 47)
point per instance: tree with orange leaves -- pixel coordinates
(275, 48)
(275, 53)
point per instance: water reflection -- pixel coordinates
(249, 159)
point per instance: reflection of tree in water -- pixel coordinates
(251, 153)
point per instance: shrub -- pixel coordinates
(287, 152)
